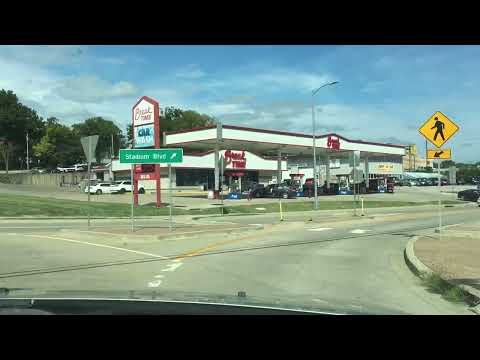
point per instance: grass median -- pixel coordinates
(32, 206)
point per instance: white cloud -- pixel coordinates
(113, 60)
(91, 89)
(43, 54)
(373, 87)
(191, 71)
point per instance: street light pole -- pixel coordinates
(28, 165)
(314, 156)
(314, 143)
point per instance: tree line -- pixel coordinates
(52, 143)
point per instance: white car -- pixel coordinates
(123, 186)
(102, 188)
(126, 186)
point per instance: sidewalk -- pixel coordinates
(455, 257)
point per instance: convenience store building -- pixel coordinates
(268, 156)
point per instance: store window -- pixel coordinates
(195, 177)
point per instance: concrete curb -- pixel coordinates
(210, 231)
(187, 234)
(419, 268)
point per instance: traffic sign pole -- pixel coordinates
(438, 129)
(354, 190)
(439, 200)
(170, 195)
(133, 196)
(89, 162)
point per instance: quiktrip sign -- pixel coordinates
(333, 143)
(236, 159)
(146, 134)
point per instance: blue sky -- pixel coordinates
(384, 93)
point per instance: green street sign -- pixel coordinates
(151, 156)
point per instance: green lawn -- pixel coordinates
(18, 205)
(327, 205)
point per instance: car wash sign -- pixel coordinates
(144, 136)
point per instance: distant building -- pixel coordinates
(415, 162)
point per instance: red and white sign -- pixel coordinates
(236, 158)
(143, 113)
(147, 176)
(146, 111)
(333, 143)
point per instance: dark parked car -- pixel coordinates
(469, 195)
(258, 191)
(308, 189)
(274, 191)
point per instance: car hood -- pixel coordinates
(304, 303)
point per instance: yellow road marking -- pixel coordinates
(220, 243)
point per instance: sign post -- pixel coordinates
(151, 156)
(89, 144)
(438, 129)
(439, 162)
(133, 196)
(170, 195)
(355, 159)
(222, 172)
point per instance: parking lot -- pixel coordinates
(198, 199)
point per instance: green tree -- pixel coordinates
(172, 119)
(447, 163)
(16, 120)
(105, 129)
(60, 146)
(6, 149)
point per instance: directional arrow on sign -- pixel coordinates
(174, 155)
(437, 154)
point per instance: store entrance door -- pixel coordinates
(240, 181)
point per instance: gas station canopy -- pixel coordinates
(272, 142)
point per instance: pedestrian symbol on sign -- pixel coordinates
(440, 126)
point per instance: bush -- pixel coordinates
(436, 284)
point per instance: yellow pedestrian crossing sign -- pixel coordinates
(442, 154)
(438, 129)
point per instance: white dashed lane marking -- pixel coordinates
(359, 231)
(173, 266)
(319, 229)
(97, 245)
(155, 283)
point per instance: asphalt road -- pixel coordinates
(342, 266)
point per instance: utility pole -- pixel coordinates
(28, 163)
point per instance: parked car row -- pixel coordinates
(273, 191)
(421, 182)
